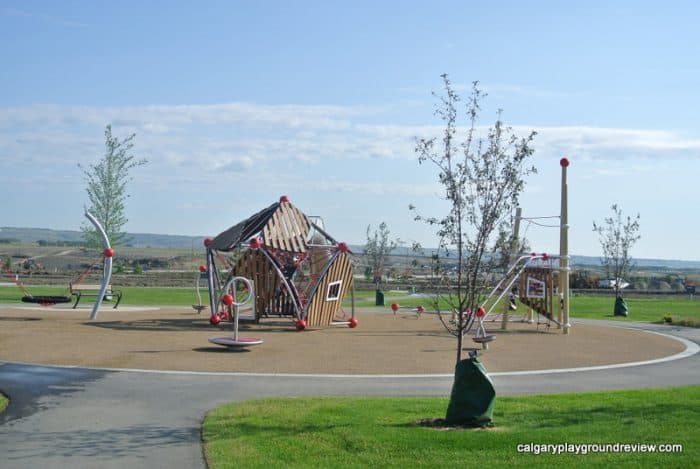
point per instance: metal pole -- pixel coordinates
(211, 272)
(235, 321)
(564, 250)
(513, 246)
(234, 307)
(107, 271)
(352, 299)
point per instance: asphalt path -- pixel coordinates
(84, 418)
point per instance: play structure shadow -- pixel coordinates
(541, 330)
(221, 349)
(402, 334)
(154, 325)
(19, 319)
(189, 324)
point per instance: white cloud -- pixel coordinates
(615, 143)
(192, 142)
(163, 117)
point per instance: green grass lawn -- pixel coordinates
(383, 432)
(130, 295)
(650, 309)
(3, 402)
(645, 309)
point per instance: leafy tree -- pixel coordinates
(482, 178)
(617, 234)
(106, 188)
(377, 250)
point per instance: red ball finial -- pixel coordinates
(284, 198)
(202, 268)
(227, 299)
(545, 256)
(353, 323)
(395, 307)
(301, 325)
(342, 247)
(254, 243)
(533, 254)
(481, 312)
(214, 320)
(108, 252)
(564, 162)
(207, 242)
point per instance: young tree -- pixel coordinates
(482, 178)
(617, 234)
(106, 188)
(377, 250)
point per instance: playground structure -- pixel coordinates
(233, 303)
(534, 274)
(107, 269)
(202, 272)
(74, 288)
(295, 268)
(27, 296)
(532, 277)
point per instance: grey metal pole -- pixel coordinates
(107, 271)
(564, 250)
(211, 272)
(513, 246)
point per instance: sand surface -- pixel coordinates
(176, 338)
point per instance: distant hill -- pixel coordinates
(575, 260)
(150, 240)
(142, 240)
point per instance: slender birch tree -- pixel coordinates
(482, 173)
(617, 235)
(106, 183)
(377, 250)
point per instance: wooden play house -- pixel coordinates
(536, 290)
(297, 269)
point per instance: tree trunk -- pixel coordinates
(460, 338)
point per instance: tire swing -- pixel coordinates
(46, 300)
(27, 297)
(50, 300)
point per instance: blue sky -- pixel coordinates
(236, 103)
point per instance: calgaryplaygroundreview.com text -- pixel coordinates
(584, 448)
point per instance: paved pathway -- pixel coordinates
(78, 418)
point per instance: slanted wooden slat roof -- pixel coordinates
(287, 229)
(281, 226)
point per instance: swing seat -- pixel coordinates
(199, 308)
(48, 300)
